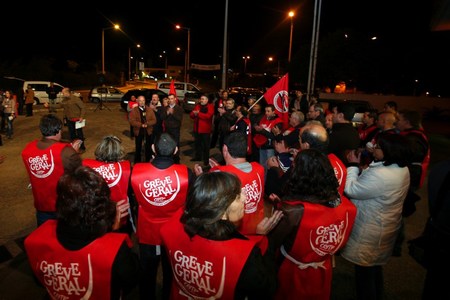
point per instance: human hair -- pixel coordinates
(83, 201)
(208, 200)
(272, 107)
(312, 178)
(391, 104)
(347, 110)
(395, 149)
(372, 114)
(317, 107)
(165, 145)
(316, 136)
(243, 110)
(414, 118)
(50, 125)
(109, 149)
(236, 142)
(299, 116)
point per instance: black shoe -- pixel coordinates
(195, 159)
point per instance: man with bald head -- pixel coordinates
(312, 136)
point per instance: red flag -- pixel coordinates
(279, 97)
(173, 91)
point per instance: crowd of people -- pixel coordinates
(262, 220)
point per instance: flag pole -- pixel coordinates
(251, 106)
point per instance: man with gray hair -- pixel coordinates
(316, 112)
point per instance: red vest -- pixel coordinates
(253, 184)
(203, 269)
(44, 169)
(306, 270)
(117, 176)
(159, 193)
(340, 170)
(79, 274)
(259, 139)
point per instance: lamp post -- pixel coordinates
(187, 63)
(291, 15)
(245, 58)
(129, 60)
(103, 45)
(278, 68)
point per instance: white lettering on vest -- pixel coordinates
(253, 192)
(62, 278)
(329, 237)
(41, 166)
(109, 173)
(195, 276)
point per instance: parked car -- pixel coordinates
(105, 93)
(361, 106)
(241, 94)
(40, 89)
(147, 93)
(181, 88)
(190, 100)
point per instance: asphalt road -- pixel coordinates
(403, 277)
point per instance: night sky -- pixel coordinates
(258, 28)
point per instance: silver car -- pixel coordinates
(105, 93)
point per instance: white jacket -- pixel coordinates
(378, 193)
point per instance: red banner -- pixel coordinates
(278, 96)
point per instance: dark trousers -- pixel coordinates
(369, 282)
(20, 108)
(149, 260)
(29, 108)
(202, 142)
(138, 140)
(76, 134)
(3, 121)
(215, 133)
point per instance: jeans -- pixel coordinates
(9, 124)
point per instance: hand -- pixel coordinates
(122, 210)
(76, 144)
(213, 163)
(267, 224)
(198, 170)
(353, 156)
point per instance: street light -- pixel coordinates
(129, 60)
(245, 58)
(103, 45)
(187, 66)
(291, 15)
(278, 69)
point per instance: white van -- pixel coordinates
(180, 87)
(40, 90)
